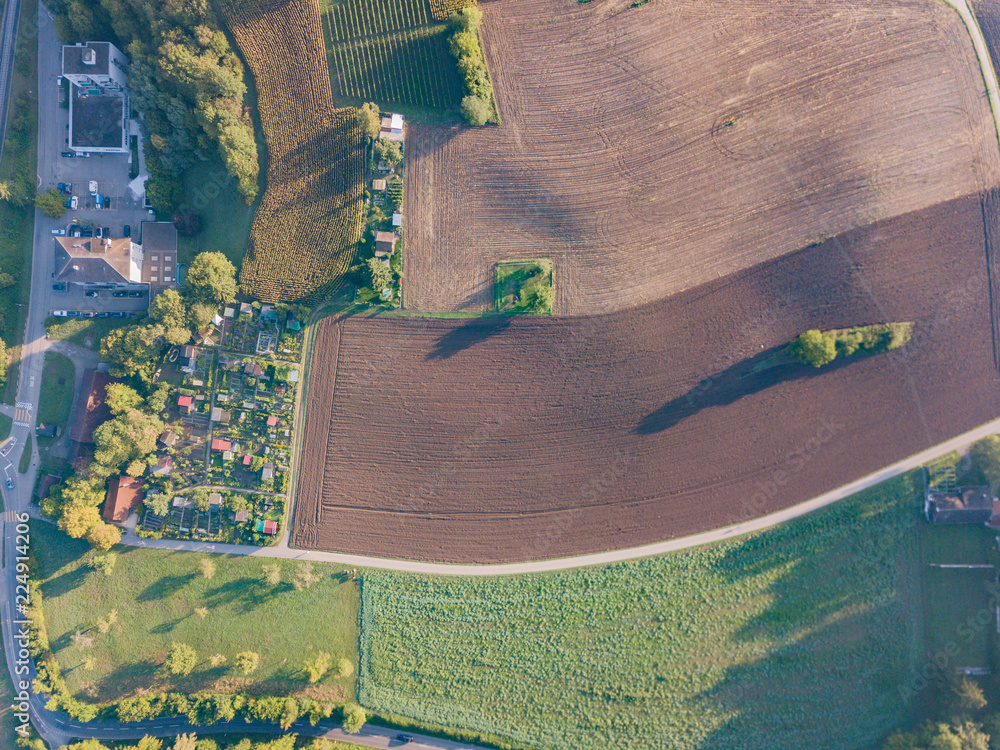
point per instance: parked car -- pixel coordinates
(103, 232)
(10, 483)
(68, 154)
(59, 232)
(60, 313)
(83, 154)
(135, 294)
(60, 287)
(86, 232)
(119, 294)
(404, 738)
(74, 202)
(119, 315)
(90, 293)
(127, 231)
(107, 202)
(93, 187)
(62, 187)
(99, 201)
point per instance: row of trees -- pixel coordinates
(959, 721)
(185, 79)
(818, 348)
(477, 105)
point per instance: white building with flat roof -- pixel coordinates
(95, 64)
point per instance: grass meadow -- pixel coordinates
(799, 636)
(56, 399)
(157, 594)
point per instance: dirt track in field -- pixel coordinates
(507, 439)
(649, 150)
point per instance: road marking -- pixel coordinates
(10, 516)
(22, 413)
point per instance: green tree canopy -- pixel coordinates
(388, 151)
(51, 203)
(171, 312)
(475, 110)
(211, 279)
(379, 276)
(369, 119)
(120, 398)
(814, 348)
(133, 351)
(128, 437)
(985, 456)
(354, 718)
(181, 659)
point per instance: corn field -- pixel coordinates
(305, 232)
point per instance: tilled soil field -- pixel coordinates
(648, 150)
(507, 439)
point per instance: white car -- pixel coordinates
(59, 232)
(93, 187)
(74, 203)
(60, 313)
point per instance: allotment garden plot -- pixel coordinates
(649, 149)
(223, 467)
(512, 438)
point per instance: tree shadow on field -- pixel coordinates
(248, 592)
(468, 335)
(742, 379)
(165, 587)
(126, 679)
(64, 582)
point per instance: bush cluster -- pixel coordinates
(477, 106)
(818, 348)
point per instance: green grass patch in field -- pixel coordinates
(84, 332)
(524, 286)
(25, 461)
(56, 398)
(391, 52)
(6, 423)
(157, 595)
(795, 637)
(225, 217)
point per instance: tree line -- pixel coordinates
(184, 78)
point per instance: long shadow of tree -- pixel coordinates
(465, 336)
(742, 379)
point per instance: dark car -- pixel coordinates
(90, 294)
(119, 294)
(119, 315)
(107, 202)
(10, 483)
(135, 294)
(86, 232)
(404, 738)
(127, 231)
(68, 154)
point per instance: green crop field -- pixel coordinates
(390, 52)
(796, 637)
(157, 595)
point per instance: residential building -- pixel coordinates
(124, 494)
(960, 505)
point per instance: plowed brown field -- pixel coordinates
(648, 150)
(503, 439)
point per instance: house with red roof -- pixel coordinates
(186, 404)
(124, 494)
(220, 445)
(272, 420)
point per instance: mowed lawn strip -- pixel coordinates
(155, 594)
(795, 637)
(57, 389)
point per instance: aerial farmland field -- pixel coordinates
(506, 439)
(671, 144)
(794, 638)
(304, 234)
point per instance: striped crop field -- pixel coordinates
(390, 52)
(441, 9)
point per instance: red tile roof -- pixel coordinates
(218, 444)
(272, 421)
(247, 459)
(124, 494)
(184, 401)
(270, 527)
